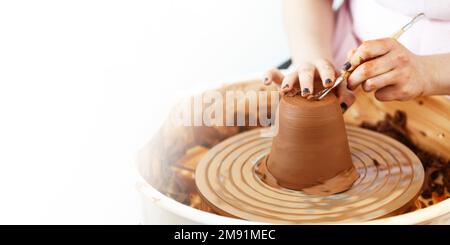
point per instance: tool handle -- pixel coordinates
(408, 25)
(398, 34)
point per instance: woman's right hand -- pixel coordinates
(302, 80)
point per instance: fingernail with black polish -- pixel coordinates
(286, 86)
(344, 107)
(328, 81)
(346, 66)
(305, 91)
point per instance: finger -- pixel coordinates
(345, 96)
(288, 82)
(273, 75)
(350, 53)
(327, 72)
(306, 77)
(369, 50)
(371, 69)
(380, 81)
(387, 93)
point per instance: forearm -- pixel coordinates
(439, 73)
(309, 26)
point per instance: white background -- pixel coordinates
(85, 84)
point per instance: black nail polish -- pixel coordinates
(328, 81)
(346, 66)
(305, 91)
(286, 86)
(266, 79)
(344, 107)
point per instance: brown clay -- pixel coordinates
(311, 151)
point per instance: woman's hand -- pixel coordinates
(390, 69)
(302, 80)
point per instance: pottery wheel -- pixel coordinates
(391, 177)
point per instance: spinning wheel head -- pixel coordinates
(391, 177)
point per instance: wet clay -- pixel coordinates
(311, 151)
(339, 183)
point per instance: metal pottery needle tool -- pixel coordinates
(344, 76)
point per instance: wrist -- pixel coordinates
(310, 56)
(430, 75)
(437, 78)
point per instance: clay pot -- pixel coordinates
(311, 151)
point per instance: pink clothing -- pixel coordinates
(358, 20)
(433, 9)
(343, 39)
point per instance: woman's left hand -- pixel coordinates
(390, 69)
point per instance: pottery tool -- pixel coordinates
(321, 94)
(391, 177)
